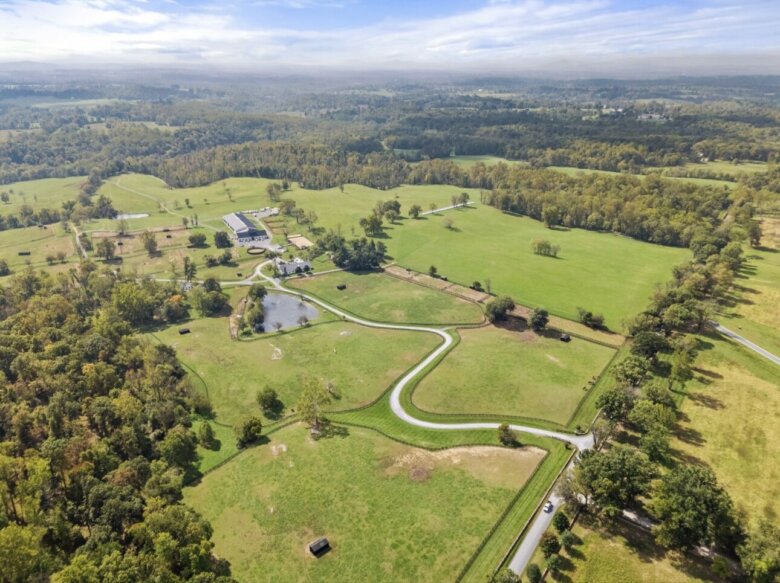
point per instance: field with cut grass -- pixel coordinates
(573, 171)
(41, 243)
(360, 362)
(512, 373)
(469, 161)
(729, 422)
(391, 512)
(615, 553)
(37, 194)
(386, 298)
(602, 272)
(755, 311)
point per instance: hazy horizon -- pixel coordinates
(544, 38)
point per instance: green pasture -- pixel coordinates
(359, 362)
(469, 161)
(602, 272)
(514, 373)
(390, 511)
(612, 552)
(40, 242)
(389, 299)
(37, 194)
(754, 309)
(573, 171)
(729, 422)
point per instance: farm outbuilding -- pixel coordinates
(244, 230)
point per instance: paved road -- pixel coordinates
(747, 343)
(532, 537)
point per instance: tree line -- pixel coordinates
(95, 437)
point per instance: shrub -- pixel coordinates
(206, 435)
(249, 431)
(549, 544)
(534, 573)
(506, 436)
(560, 521)
(197, 239)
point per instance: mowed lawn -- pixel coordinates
(756, 311)
(359, 362)
(730, 422)
(616, 553)
(382, 297)
(391, 512)
(601, 272)
(45, 193)
(504, 372)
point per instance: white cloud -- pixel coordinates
(520, 34)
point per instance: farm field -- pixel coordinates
(41, 243)
(733, 385)
(386, 298)
(617, 553)
(360, 362)
(137, 193)
(573, 171)
(433, 507)
(598, 271)
(469, 161)
(513, 373)
(755, 314)
(485, 243)
(37, 194)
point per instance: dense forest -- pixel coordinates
(94, 435)
(592, 125)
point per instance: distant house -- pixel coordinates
(297, 265)
(244, 230)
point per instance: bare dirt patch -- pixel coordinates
(278, 449)
(493, 465)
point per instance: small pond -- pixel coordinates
(286, 310)
(128, 216)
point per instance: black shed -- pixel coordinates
(184, 330)
(319, 547)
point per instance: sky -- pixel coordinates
(597, 36)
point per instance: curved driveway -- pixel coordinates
(579, 441)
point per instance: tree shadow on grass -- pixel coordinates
(329, 430)
(706, 400)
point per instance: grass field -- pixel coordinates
(469, 161)
(730, 423)
(599, 271)
(615, 553)
(755, 313)
(504, 372)
(360, 362)
(573, 171)
(46, 193)
(391, 512)
(620, 273)
(40, 242)
(386, 298)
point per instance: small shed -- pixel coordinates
(184, 331)
(565, 338)
(24, 253)
(319, 547)
(341, 286)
